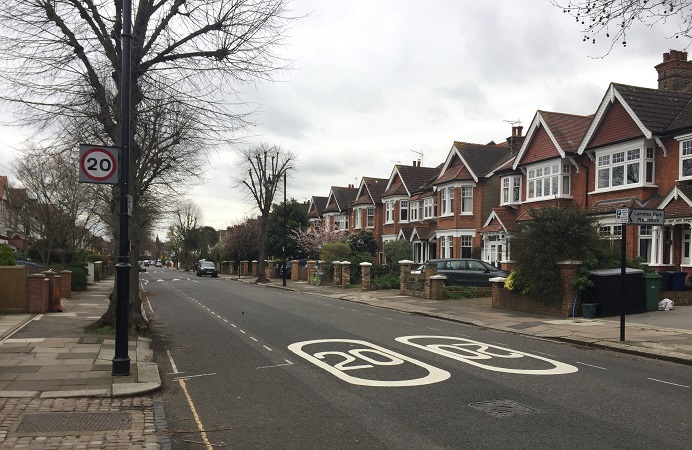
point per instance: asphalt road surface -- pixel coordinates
(251, 367)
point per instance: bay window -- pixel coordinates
(686, 159)
(447, 201)
(370, 223)
(403, 211)
(429, 208)
(548, 181)
(413, 211)
(511, 190)
(467, 200)
(389, 211)
(359, 218)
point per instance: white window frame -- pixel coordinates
(370, 218)
(622, 157)
(510, 190)
(403, 211)
(389, 211)
(685, 157)
(359, 218)
(413, 211)
(466, 201)
(446, 201)
(466, 242)
(554, 175)
(429, 210)
(646, 237)
(446, 246)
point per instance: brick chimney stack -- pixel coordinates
(675, 72)
(516, 140)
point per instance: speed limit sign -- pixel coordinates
(98, 164)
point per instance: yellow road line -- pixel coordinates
(194, 413)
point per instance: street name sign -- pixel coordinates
(639, 216)
(98, 164)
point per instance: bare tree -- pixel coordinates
(62, 74)
(185, 231)
(63, 211)
(613, 18)
(262, 170)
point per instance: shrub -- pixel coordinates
(362, 242)
(355, 260)
(396, 251)
(388, 281)
(335, 251)
(7, 257)
(457, 292)
(79, 276)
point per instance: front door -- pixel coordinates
(495, 253)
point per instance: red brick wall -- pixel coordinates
(540, 148)
(616, 125)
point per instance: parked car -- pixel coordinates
(142, 266)
(207, 268)
(467, 271)
(159, 264)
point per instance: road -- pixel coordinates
(252, 367)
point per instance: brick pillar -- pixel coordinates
(437, 284)
(404, 274)
(568, 272)
(311, 270)
(337, 273)
(268, 270)
(39, 287)
(366, 281)
(51, 280)
(345, 273)
(294, 270)
(507, 265)
(430, 270)
(243, 268)
(254, 268)
(66, 284)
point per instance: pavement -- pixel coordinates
(49, 364)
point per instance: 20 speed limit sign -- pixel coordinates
(98, 164)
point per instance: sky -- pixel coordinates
(382, 82)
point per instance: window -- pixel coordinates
(429, 209)
(466, 246)
(389, 211)
(467, 200)
(619, 169)
(686, 159)
(413, 211)
(548, 181)
(359, 218)
(511, 190)
(403, 211)
(371, 217)
(649, 166)
(447, 201)
(447, 246)
(645, 242)
(340, 222)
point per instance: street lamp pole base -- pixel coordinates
(121, 367)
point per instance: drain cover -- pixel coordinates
(59, 422)
(503, 408)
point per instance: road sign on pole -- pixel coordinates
(98, 164)
(640, 216)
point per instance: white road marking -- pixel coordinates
(590, 365)
(471, 352)
(194, 376)
(173, 366)
(269, 349)
(434, 329)
(364, 362)
(225, 320)
(409, 323)
(668, 382)
(241, 331)
(234, 326)
(288, 363)
(254, 339)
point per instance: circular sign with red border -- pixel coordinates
(98, 164)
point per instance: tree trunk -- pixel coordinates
(261, 272)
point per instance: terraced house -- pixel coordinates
(635, 151)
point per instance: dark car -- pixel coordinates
(207, 268)
(467, 271)
(302, 263)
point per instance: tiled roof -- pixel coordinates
(659, 110)
(567, 129)
(609, 206)
(319, 204)
(415, 177)
(398, 189)
(480, 159)
(376, 187)
(343, 199)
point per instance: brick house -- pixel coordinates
(367, 208)
(316, 207)
(338, 208)
(639, 145)
(402, 183)
(467, 191)
(547, 171)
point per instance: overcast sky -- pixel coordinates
(377, 83)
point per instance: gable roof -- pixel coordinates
(656, 112)
(478, 161)
(563, 134)
(340, 199)
(677, 203)
(502, 218)
(370, 191)
(316, 207)
(412, 177)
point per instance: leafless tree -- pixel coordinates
(62, 74)
(613, 18)
(262, 170)
(63, 211)
(185, 230)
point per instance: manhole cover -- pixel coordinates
(59, 422)
(503, 408)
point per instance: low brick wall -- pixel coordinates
(680, 298)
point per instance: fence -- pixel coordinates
(13, 288)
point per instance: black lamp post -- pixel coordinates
(284, 247)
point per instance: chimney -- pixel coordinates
(516, 140)
(675, 72)
(350, 186)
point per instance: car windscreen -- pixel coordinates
(208, 265)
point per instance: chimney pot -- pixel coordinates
(666, 57)
(519, 130)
